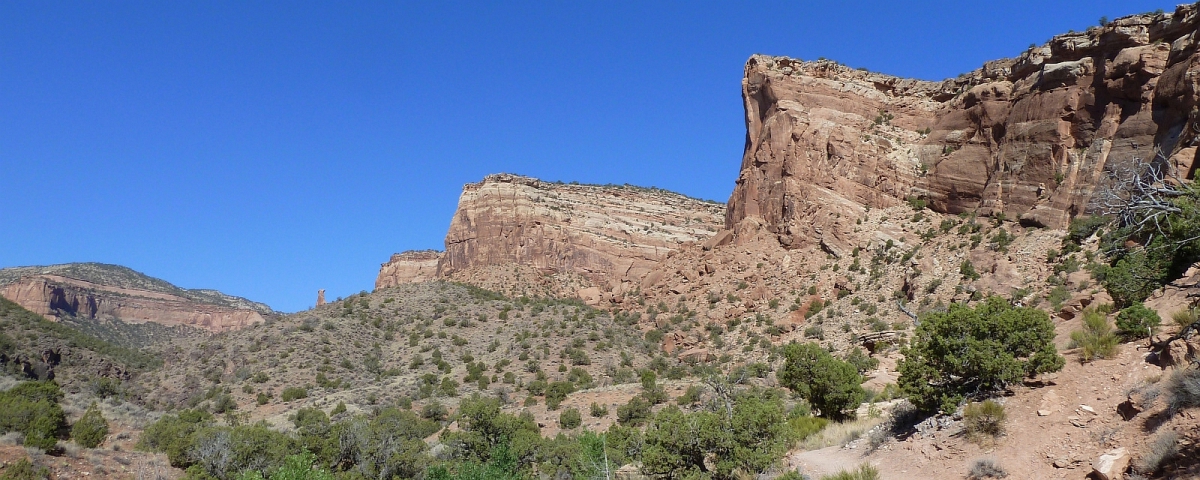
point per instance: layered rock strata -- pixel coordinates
(595, 231)
(48, 292)
(1030, 137)
(408, 267)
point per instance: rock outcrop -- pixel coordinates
(97, 291)
(1030, 137)
(592, 230)
(599, 232)
(408, 267)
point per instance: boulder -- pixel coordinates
(1111, 465)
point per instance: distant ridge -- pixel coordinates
(125, 277)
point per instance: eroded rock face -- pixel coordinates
(1029, 137)
(52, 296)
(593, 232)
(408, 267)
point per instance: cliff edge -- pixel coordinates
(1029, 137)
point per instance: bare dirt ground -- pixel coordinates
(1055, 429)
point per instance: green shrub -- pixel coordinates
(32, 409)
(749, 437)
(224, 403)
(227, 452)
(1096, 339)
(172, 435)
(861, 361)
(386, 444)
(690, 397)
(803, 427)
(984, 420)
(1137, 321)
(556, 392)
(295, 467)
(864, 472)
(434, 411)
(91, 429)
(569, 418)
(967, 270)
(23, 469)
(484, 428)
(970, 352)
(634, 413)
(1082, 228)
(1057, 296)
(294, 393)
(1134, 277)
(598, 410)
(339, 409)
(829, 384)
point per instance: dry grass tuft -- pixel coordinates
(984, 421)
(986, 468)
(1163, 448)
(840, 433)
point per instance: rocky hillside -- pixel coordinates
(429, 341)
(595, 232)
(32, 347)
(112, 293)
(1028, 137)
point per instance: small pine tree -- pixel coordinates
(1137, 321)
(569, 418)
(829, 384)
(91, 429)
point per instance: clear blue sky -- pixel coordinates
(268, 149)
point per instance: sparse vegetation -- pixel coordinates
(1183, 390)
(986, 468)
(1096, 339)
(863, 472)
(984, 421)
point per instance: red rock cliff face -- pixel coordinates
(408, 267)
(53, 295)
(591, 230)
(1029, 137)
(598, 232)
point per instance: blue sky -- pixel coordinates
(269, 149)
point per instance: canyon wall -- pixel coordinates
(47, 291)
(408, 267)
(1030, 137)
(594, 231)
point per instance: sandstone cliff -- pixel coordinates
(594, 231)
(1029, 137)
(408, 267)
(98, 291)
